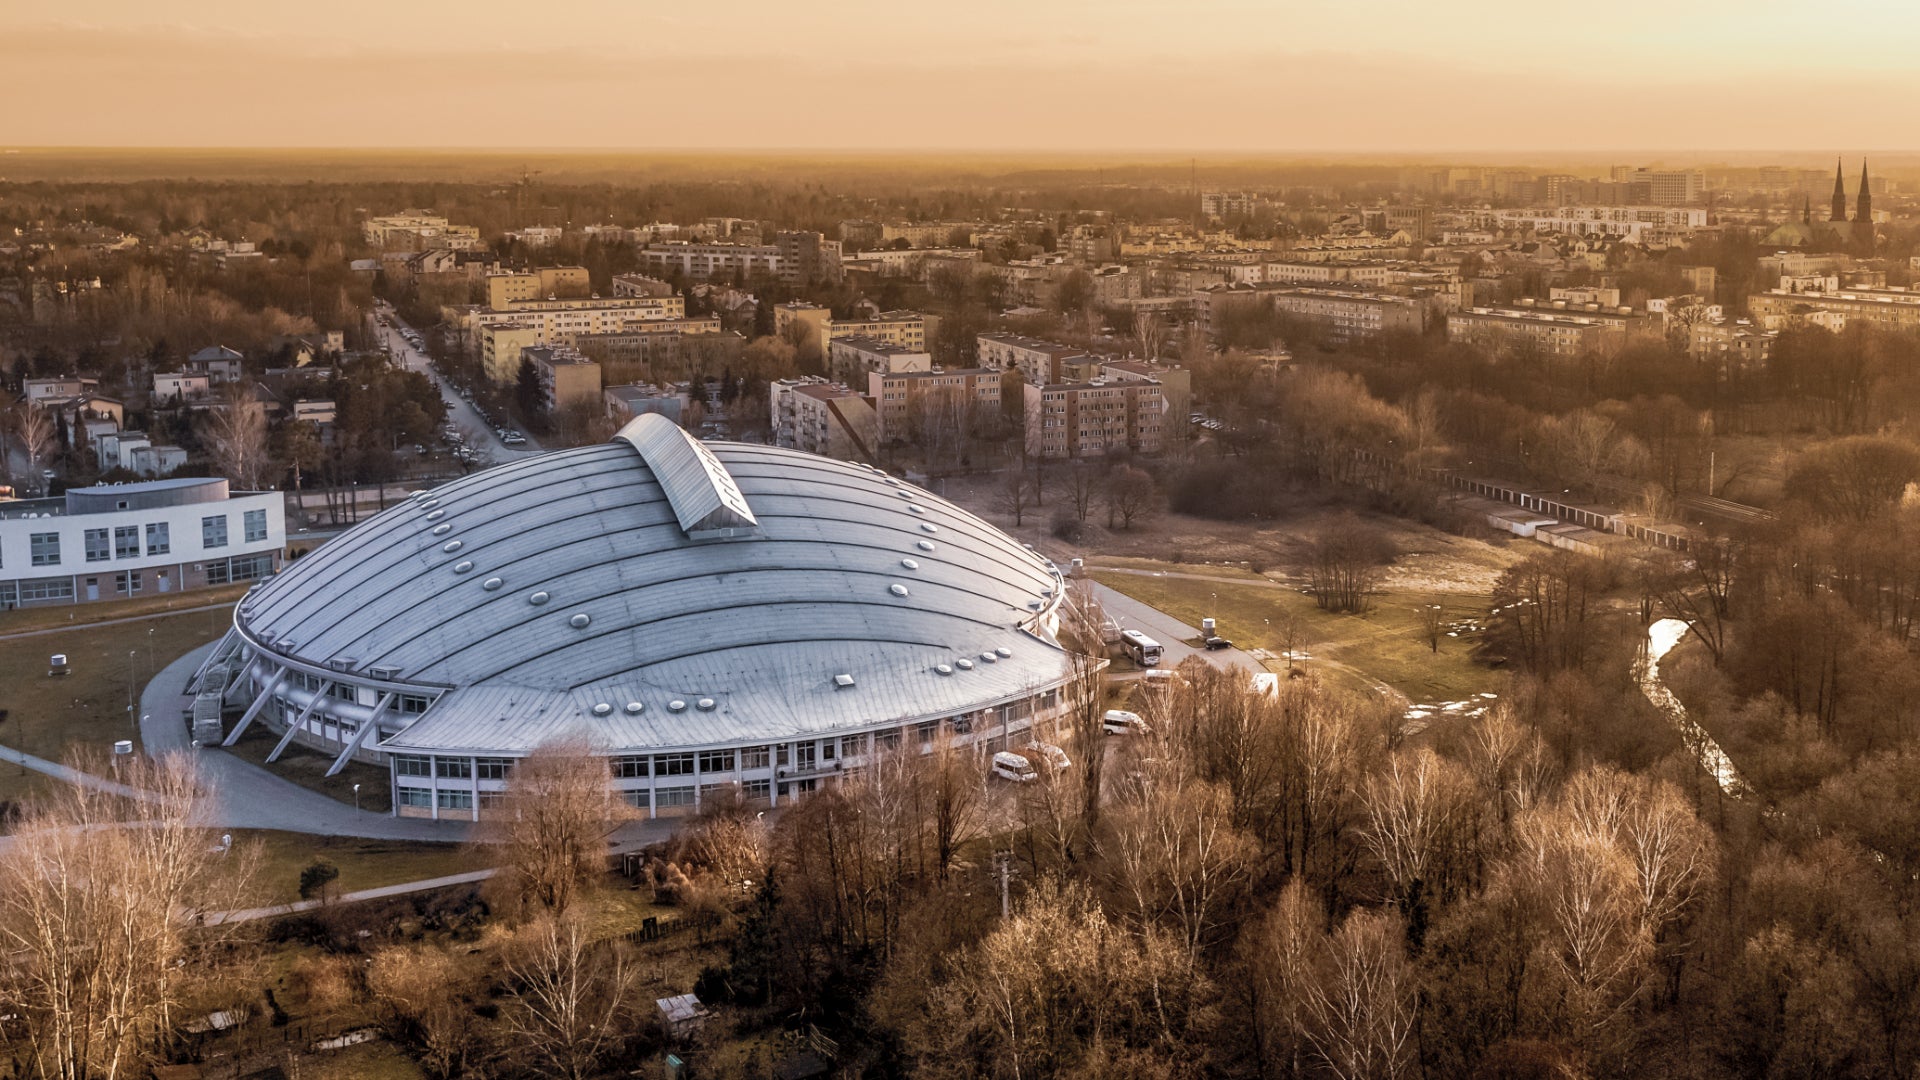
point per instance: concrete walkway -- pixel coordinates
(71, 776)
(221, 918)
(247, 796)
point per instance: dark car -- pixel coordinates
(1219, 643)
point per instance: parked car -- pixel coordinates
(1054, 758)
(1122, 722)
(1218, 642)
(1010, 766)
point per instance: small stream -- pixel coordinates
(1662, 636)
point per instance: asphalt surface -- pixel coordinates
(459, 410)
(1170, 632)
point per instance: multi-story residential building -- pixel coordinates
(1095, 418)
(851, 359)
(646, 341)
(705, 262)
(500, 335)
(1176, 382)
(916, 263)
(1037, 361)
(1327, 273)
(1225, 204)
(1340, 314)
(224, 365)
(419, 230)
(1883, 309)
(1639, 224)
(640, 285)
(547, 283)
(1114, 285)
(566, 377)
(1543, 332)
(907, 402)
(120, 540)
(808, 258)
(1732, 346)
(1670, 187)
(180, 387)
(823, 418)
(904, 328)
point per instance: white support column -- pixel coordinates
(295, 727)
(346, 753)
(251, 667)
(273, 686)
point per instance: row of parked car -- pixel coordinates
(1037, 759)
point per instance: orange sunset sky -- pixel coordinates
(1026, 75)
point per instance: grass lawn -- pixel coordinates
(1386, 643)
(364, 864)
(377, 1060)
(65, 615)
(48, 717)
(308, 768)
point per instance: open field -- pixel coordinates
(49, 717)
(1386, 643)
(364, 864)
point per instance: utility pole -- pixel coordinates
(1003, 865)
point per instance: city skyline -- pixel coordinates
(1223, 76)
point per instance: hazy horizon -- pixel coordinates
(1213, 77)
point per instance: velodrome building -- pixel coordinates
(711, 616)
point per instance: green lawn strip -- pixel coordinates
(363, 863)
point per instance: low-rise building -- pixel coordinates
(1882, 309)
(219, 363)
(1038, 361)
(121, 540)
(1340, 314)
(1095, 418)
(180, 387)
(632, 399)
(1732, 346)
(647, 341)
(640, 285)
(419, 230)
(904, 328)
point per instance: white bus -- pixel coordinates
(1144, 650)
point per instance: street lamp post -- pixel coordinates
(132, 655)
(356, 798)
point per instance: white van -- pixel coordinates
(1055, 757)
(1122, 722)
(1008, 765)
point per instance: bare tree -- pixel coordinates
(34, 428)
(550, 830)
(571, 996)
(235, 432)
(1433, 623)
(1346, 561)
(1131, 493)
(102, 919)
(1151, 333)
(1016, 492)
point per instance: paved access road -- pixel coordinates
(459, 410)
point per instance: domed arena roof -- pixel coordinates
(658, 592)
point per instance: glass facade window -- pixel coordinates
(884, 741)
(757, 789)
(637, 799)
(126, 541)
(159, 539)
(99, 545)
(416, 796)
(493, 768)
(853, 745)
(412, 703)
(256, 525)
(754, 757)
(249, 567)
(46, 589)
(454, 768)
(673, 765)
(456, 800)
(492, 800)
(630, 768)
(716, 761)
(213, 531)
(409, 765)
(673, 796)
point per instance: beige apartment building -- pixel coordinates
(904, 401)
(419, 230)
(824, 418)
(546, 283)
(1341, 314)
(1092, 419)
(1541, 331)
(1038, 361)
(1883, 309)
(904, 328)
(851, 359)
(566, 377)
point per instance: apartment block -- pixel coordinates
(825, 418)
(905, 401)
(1883, 309)
(851, 359)
(1038, 361)
(566, 377)
(1540, 331)
(1094, 418)
(546, 283)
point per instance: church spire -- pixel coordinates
(1865, 212)
(1839, 193)
(1806, 210)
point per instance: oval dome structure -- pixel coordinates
(745, 574)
